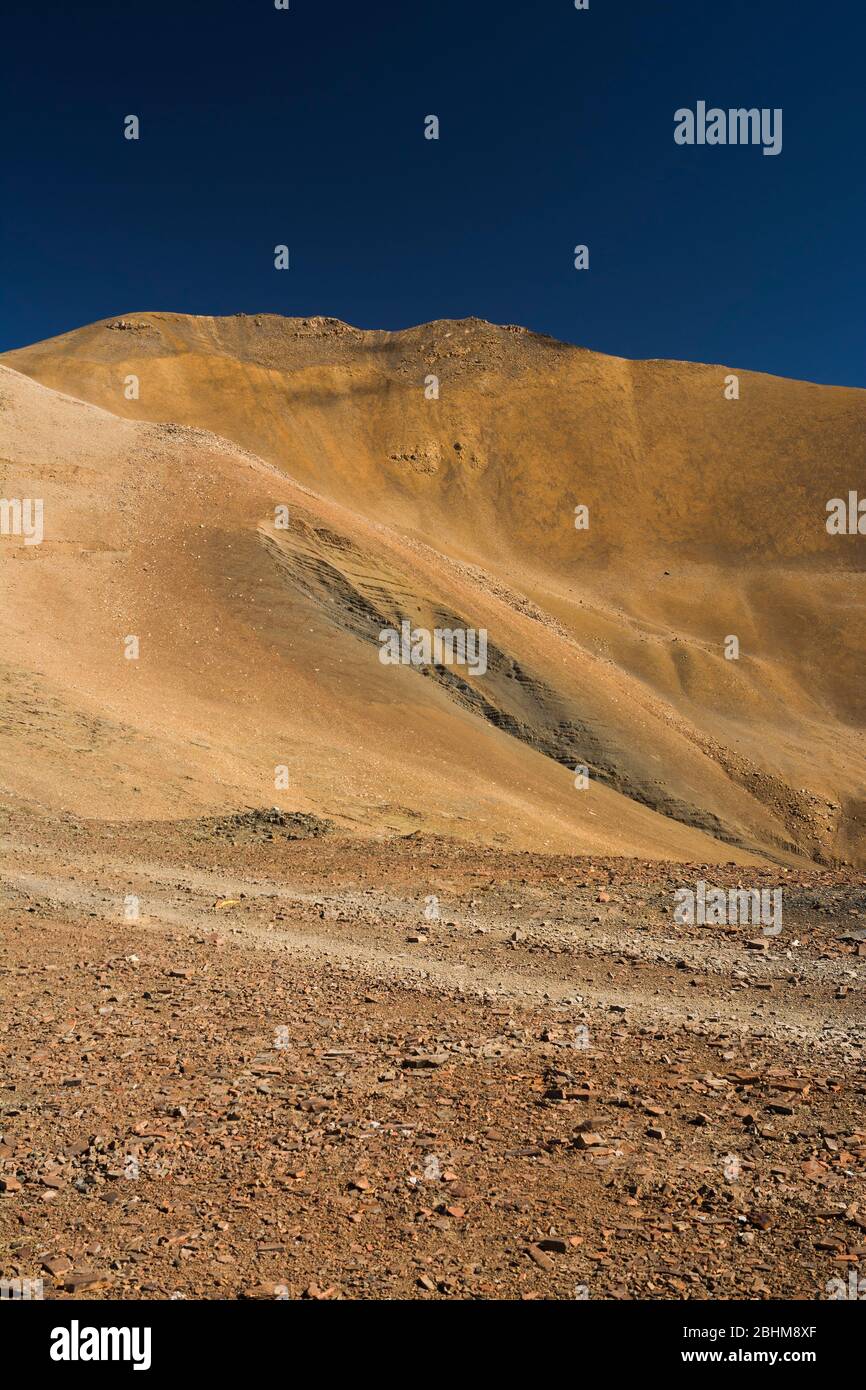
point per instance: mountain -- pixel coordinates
(256, 498)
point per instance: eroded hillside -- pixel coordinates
(281, 490)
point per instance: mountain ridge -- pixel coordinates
(338, 325)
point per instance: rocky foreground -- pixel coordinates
(244, 1059)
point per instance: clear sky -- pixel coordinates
(306, 127)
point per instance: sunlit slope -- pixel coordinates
(166, 534)
(524, 429)
(706, 519)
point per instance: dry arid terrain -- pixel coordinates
(324, 977)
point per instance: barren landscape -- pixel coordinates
(329, 978)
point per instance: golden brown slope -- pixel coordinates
(464, 506)
(165, 533)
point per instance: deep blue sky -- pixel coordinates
(260, 127)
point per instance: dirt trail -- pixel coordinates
(369, 933)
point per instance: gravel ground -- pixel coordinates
(330, 1068)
